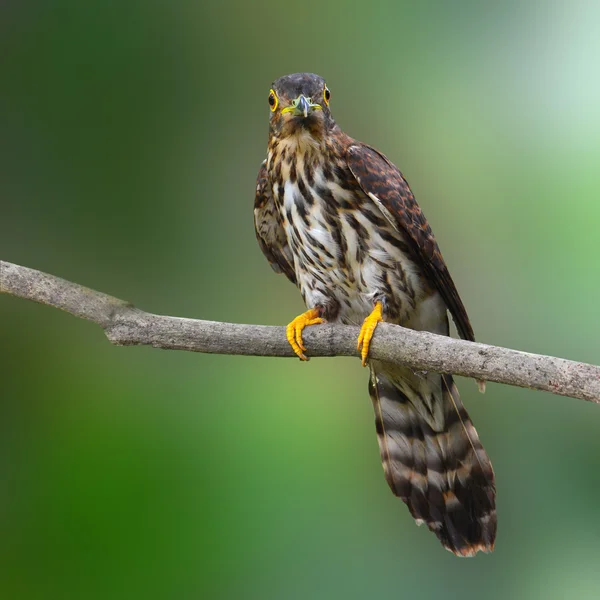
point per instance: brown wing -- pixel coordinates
(385, 185)
(269, 230)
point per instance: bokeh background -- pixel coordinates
(130, 137)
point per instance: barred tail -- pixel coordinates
(432, 457)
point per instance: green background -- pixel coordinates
(130, 137)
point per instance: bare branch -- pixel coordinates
(126, 325)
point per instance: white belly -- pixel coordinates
(354, 272)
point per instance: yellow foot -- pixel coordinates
(367, 330)
(294, 330)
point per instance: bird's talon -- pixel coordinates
(299, 339)
(294, 331)
(360, 339)
(367, 330)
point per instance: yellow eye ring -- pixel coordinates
(326, 95)
(273, 100)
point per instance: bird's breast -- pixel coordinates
(342, 245)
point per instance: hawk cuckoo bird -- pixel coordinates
(339, 220)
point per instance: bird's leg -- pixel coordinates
(367, 330)
(294, 330)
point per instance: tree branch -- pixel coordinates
(125, 325)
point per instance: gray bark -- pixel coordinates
(125, 325)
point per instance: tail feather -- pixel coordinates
(432, 457)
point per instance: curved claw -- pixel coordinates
(367, 330)
(293, 331)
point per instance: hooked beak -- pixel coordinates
(302, 106)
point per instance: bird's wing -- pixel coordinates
(269, 230)
(385, 185)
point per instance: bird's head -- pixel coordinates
(299, 104)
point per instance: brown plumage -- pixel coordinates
(339, 220)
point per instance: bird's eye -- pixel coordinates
(326, 95)
(273, 101)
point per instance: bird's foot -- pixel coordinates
(294, 330)
(367, 330)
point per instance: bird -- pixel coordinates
(339, 220)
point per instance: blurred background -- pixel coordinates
(130, 138)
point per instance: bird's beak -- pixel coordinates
(302, 106)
